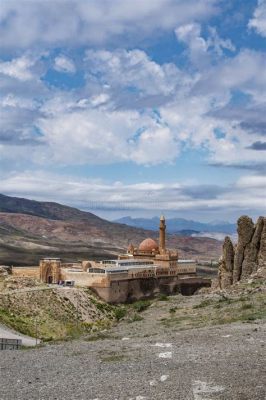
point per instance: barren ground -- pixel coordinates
(163, 353)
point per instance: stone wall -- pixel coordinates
(84, 279)
(30, 272)
(248, 256)
(136, 289)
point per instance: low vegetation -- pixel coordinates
(213, 311)
(51, 315)
(141, 305)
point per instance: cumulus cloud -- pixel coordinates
(201, 49)
(129, 107)
(18, 68)
(27, 23)
(103, 137)
(244, 72)
(132, 70)
(258, 22)
(64, 64)
(219, 44)
(190, 34)
(135, 109)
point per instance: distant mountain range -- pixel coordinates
(181, 226)
(31, 229)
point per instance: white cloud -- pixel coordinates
(258, 22)
(18, 68)
(253, 181)
(218, 44)
(190, 34)
(97, 194)
(201, 50)
(132, 69)
(37, 22)
(97, 100)
(155, 145)
(103, 137)
(64, 64)
(112, 119)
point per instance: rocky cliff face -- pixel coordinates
(248, 256)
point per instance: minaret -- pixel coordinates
(162, 235)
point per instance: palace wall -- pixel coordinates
(28, 272)
(83, 278)
(136, 289)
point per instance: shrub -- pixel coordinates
(135, 318)
(163, 297)
(120, 312)
(141, 305)
(172, 310)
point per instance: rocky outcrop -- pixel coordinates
(248, 256)
(4, 270)
(226, 265)
(250, 262)
(245, 230)
(262, 252)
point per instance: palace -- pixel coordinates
(141, 272)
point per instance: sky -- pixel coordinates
(135, 108)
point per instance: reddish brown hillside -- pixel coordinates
(30, 230)
(36, 237)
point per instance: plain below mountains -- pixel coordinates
(31, 229)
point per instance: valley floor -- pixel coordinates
(148, 358)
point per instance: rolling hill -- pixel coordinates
(31, 229)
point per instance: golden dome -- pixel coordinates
(148, 245)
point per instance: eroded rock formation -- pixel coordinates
(226, 266)
(248, 256)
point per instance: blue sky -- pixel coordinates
(135, 108)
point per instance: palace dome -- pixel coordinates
(148, 245)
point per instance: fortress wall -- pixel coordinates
(187, 269)
(137, 289)
(30, 272)
(85, 279)
(88, 279)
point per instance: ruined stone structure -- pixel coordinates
(249, 254)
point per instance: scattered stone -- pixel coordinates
(167, 354)
(164, 378)
(4, 270)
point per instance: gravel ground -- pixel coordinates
(223, 362)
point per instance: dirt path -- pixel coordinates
(6, 333)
